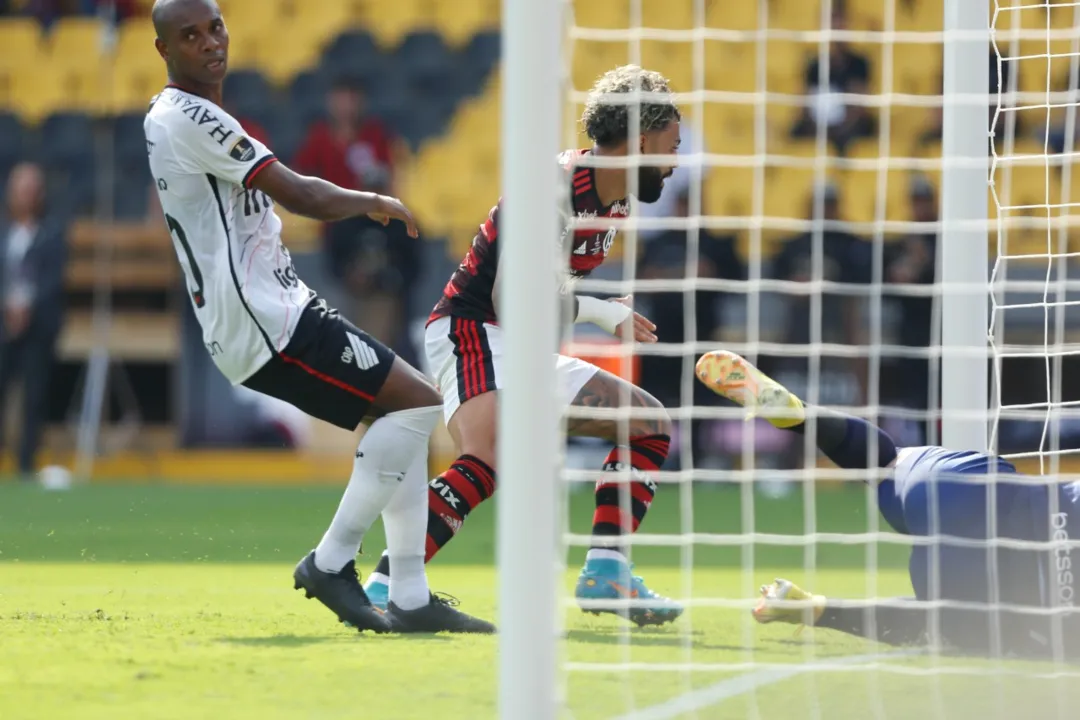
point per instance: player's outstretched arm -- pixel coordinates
(322, 200)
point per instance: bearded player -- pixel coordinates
(465, 350)
(1023, 596)
(267, 331)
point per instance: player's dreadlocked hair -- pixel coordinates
(608, 123)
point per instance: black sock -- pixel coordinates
(896, 625)
(383, 568)
(845, 440)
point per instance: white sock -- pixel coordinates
(405, 520)
(385, 453)
(605, 554)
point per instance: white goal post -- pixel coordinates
(528, 422)
(964, 246)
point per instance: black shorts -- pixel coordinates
(331, 369)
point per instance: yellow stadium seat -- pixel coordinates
(280, 53)
(668, 14)
(247, 16)
(863, 199)
(781, 117)
(795, 14)
(906, 124)
(391, 20)
(728, 129)
(76, 41)
(460, 21)
(36, 92)
(731, 66)
(674, 60)
(1024, 183)
(866, 149)
(732, 14)
(134, 85)
(729, 192)
(925, 15)
(135, 43)
(591, 59)
(20, 39)
(867, 14)
(601, 14)
(785, 62)
(789, 191)
(917, 69)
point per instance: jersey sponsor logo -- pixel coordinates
(242, 150)
(359, 352)
(1066, 592)
(447, 493)
(287, 276)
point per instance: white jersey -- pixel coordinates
(240, 278)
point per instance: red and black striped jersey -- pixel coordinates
(469, 294)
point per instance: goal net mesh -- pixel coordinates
(801, 231)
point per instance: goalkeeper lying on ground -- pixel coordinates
(932, 491)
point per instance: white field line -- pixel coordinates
(747, 682)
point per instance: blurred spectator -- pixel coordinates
(845, 258)
(911, 263)
(33, 259)
(350, 148)
(846, 72)
(378, 265)
(666, 256)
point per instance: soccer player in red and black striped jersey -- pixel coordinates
(464, 348)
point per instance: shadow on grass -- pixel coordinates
(645, 638)
(292, 641)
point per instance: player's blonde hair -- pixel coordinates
(608, 123)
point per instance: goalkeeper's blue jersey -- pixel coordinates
(1024, 509)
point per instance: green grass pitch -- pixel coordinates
(177, 602)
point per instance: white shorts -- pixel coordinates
(466, 358)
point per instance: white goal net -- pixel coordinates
(803, 231)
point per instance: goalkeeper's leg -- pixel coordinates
(850, 442)
(901, 621)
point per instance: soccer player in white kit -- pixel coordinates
(267, 330)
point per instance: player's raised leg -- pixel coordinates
(850, 442)
(607, 574)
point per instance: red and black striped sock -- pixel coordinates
(452, 496)
(646, 454)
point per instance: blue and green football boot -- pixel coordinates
(604, 580)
